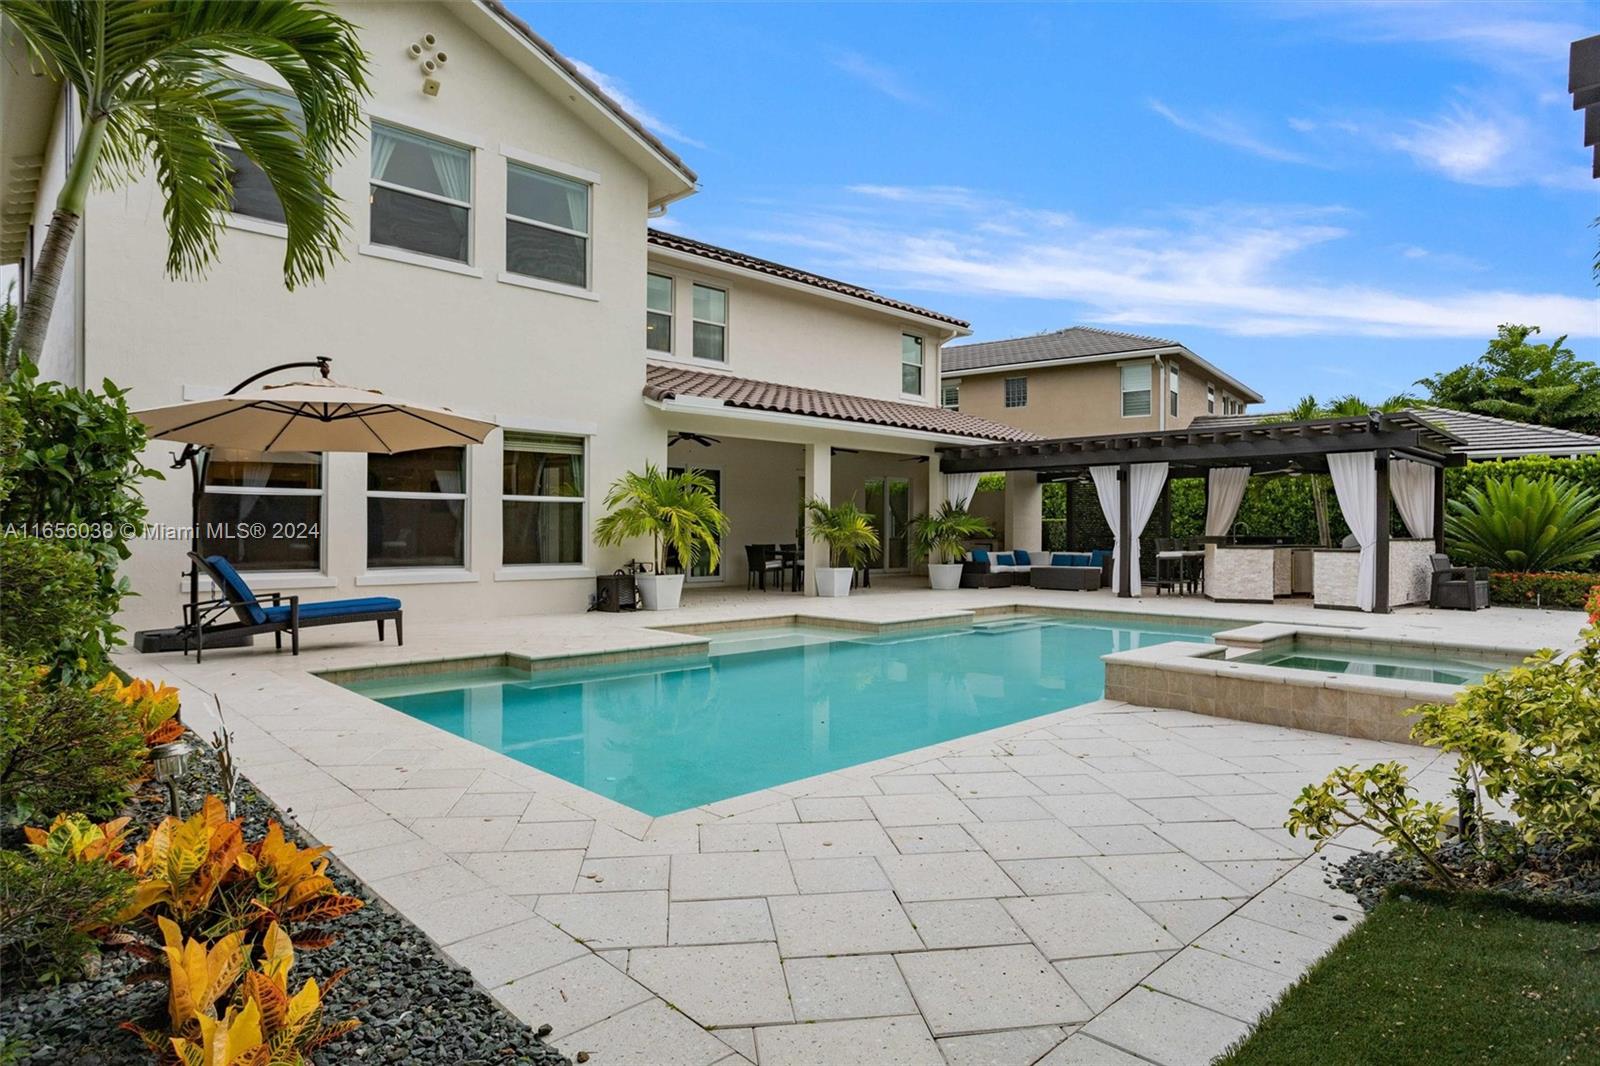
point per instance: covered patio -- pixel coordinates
(1376, 462)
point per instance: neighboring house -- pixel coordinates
(498, 263)
(1483, 437)
(1081, 381)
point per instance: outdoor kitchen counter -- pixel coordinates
(1254, 573)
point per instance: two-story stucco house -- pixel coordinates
(500, 262)
(1082, 380)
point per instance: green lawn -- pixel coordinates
(1462, 982)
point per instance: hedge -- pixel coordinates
(1544, 590)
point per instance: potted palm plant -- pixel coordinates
(676, 509)
(939, 538)
(851, 539)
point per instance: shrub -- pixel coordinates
(50, 907)
(1378, 798)
(52, 606)
(1543, 590)
(154, 707)
(63, 747)
(1524, 524)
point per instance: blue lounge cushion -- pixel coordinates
(234, 588)
(1005, 559)
(1071, 559)
(335, 608)
(1098, 557)
(1022, 557)
(980, 555)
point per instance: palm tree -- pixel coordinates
(152, 86)
(1348, 406)
(676, 509)
(941, 535)
(846, 529)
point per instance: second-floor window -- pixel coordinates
(910, 364)
(1016, 392)
(658, 313)
(1135, 389)
(1172, 390)
(950, 395)
(421, 194)
(1211, 399)
(251, 193)
(547, 226)
(710, 324)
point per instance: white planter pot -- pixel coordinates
(944, 576)
(660, 592)
(833, 580)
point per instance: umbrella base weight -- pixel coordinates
(150, 641)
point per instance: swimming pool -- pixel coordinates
(768, 706)
(1441, 670)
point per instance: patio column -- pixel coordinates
(936, 490)
(1024, 510)
(1129, 562)
(1438, 509)
(819, 485)
(1380, 577)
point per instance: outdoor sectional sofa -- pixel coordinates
(1027, 566)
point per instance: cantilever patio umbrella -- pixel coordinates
(300, 416)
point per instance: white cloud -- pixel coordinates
(1239, 269)
(1464, 146)
(619, 92)
(1226, 129)
(885, 80)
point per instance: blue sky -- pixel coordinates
(1319, 198)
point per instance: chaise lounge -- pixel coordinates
(276, 614)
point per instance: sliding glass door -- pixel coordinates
(888, 501)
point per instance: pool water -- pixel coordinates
(1441, 671)
(768, 706)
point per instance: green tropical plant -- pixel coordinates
(51, 609)
(153, 86)
(51, 904)
(1546, 384)
(940, 536)
(1347, 406)
(1378, 798)
(1524, 524)
(671, 509)
(846, 529)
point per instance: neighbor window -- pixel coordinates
(1211, 399)
(1135, 389)
(1172, 390)
(542, 500)
(950, 395)
(910, 364)
(658, 313)
(250, 193)
(263, 510)
(417, 508)
(421, 194)
(547, 226)
(1016, 392)
(710, 324)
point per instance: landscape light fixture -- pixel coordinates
(170, 763)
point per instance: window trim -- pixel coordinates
(672, 317)
(1149, 389)
(727, 313)
(922, 367)
(1211, 398)
(511, 571)
(1005, 393)
(945, 385)
(546, 284)
(1172, 390)
(407, 255)
(421, 574)
(321, 571)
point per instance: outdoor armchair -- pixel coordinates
(1460, 588)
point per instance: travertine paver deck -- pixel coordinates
(1105, 884)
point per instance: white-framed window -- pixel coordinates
(1016, 391)
(658, 312)
(1135, 389)
(1172, 390)
(950, 395)
(421, 194)
(910, 364)
(1211, 399)
(542, 500)
(710, 323)
(250, 193)
(547, 226)
(263, 510)
(417, 508)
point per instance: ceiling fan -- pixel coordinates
(698, 438)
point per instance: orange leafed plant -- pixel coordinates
(75, 837)
(154, 707)
(182, 864)
(292, 887)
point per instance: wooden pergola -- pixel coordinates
(1281, 448)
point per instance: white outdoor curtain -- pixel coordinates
(1411, 483)
(959, 488)
(1144, 490)
(1225, 487)
(1355, 482)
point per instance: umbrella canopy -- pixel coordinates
(313, 416)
